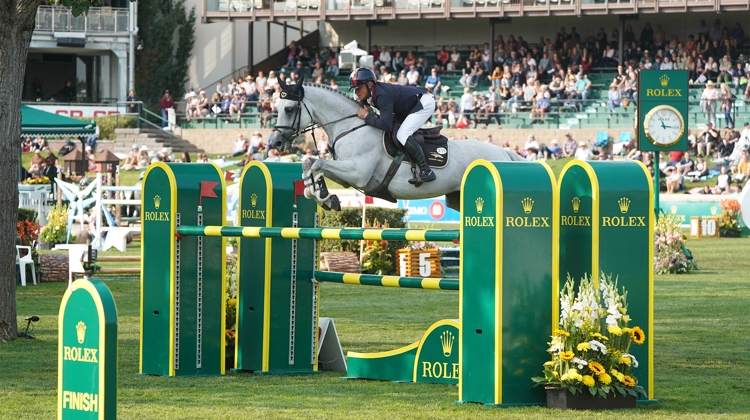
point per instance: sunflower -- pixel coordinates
(567, 355)
(605, 378)
(588, 380)
(597, 368)
(638, 335)
(626, 380)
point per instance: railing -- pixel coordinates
(310, 9)
(99, 20)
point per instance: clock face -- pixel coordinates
(664, 126)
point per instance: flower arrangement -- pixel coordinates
(590, 350)
(56, 230)
(421, 245)
(37, 180)
(729, 223)
(376, 258)
(231, 298)
(670, 253)
(28, 232)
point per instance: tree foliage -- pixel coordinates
(166, 30)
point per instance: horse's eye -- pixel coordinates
(288, 109)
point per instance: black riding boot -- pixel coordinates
(417, 155)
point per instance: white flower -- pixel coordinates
(598, 346)
(632, 359)
(580, 362)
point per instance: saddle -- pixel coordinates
(434, 145)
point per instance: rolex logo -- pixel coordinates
(254, 199)
(713, 210)
(81, 331)
(480, 204)
(157, 201)
(576, 204)
(527, 204)
(624, 204)
(664, 80)
(446, 339)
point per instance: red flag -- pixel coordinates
(299, 189)
(369, 200)
(207, 190)
(228, 176)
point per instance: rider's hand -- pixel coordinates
(362, 113)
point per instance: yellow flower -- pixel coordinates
(628, 381)
(232, 302)
(599, 336)
(230, 334)
(562, 332)
(567, 355)
(597, 368)
(625, 361)
(571, 375)
(550, 364)
(615, 330)
(638, 335)
(626, 330)
(583, 346)
(620, 377)
(588, 380)
(605, 378)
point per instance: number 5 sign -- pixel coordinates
(704, 227)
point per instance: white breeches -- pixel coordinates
(414, 121)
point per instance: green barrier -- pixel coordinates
(607, 226)
(277, 308)
(87, 353)
(182, 279)
(508, 263)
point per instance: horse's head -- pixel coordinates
(293, 116)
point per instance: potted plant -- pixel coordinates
(376, 259)
(729, 223)
(56, 229)
(671, 256)
(591, 366)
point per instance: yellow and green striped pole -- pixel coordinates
(387, 281)
(371, 234)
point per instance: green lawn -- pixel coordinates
(701, 356)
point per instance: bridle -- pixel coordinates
(296, 129)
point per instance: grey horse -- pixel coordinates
(360, 160)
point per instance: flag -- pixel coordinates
(369, 200)
(228, 176)
(299, 189)
(207, 190)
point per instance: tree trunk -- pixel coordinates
(16, 25)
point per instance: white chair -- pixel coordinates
(22, 262)
(75, 264)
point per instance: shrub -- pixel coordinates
(108, 124)
(376, 216)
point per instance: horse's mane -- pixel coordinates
(329, 88)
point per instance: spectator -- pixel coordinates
(385, 57)
(613, 99)
(710, 140)
(727, 105)
(202, 158)
(433, 82)
(260, 83)
(185, 157)
(236, 105)
(226, 103)
(131, 161)
(397, 64)
(467, 105)
(532, 148)
(582, 88)
(240, 146)
(441, 112)
(555, 151)
(216, 104)
(443, 57)
(402, 79)
(202, 109)
(133, 99)
(220, 88)
(256, 142)
(541, 107)
(143, 158)
(455, 60)
(165, 104)
(708, 102)
(583, 152)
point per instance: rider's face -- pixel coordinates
(361, 92)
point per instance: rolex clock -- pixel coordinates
(663, 126)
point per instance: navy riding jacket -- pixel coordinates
(393, 101)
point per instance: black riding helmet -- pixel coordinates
(361, 76)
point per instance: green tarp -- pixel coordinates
(36, 123)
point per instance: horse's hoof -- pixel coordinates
(335, 203)
(324, 206)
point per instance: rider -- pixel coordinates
(411, 105)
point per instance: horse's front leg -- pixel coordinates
(315, 186)
(307, 178)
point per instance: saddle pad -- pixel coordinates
(436, 151)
